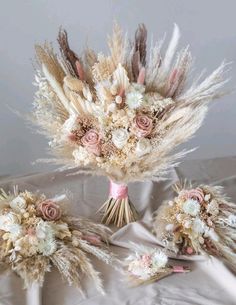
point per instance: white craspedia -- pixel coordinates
(134, 99)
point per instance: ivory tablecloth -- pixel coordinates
(210, 282)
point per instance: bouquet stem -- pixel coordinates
(34, 294)
(118, 209)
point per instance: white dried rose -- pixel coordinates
(134, 99)
(120, 137)
(143, 147)
(18, 203)
(191, 207)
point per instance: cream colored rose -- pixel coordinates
(120, 137)
(18, 203)
(143, 147)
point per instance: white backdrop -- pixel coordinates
(208, 25)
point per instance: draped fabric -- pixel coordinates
(210, 282)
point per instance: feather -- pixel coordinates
(48, 58)
(139, 56)
(170, 52)
(70, 58)
(57, 88)
(121, 78)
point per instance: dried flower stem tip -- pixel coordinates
(118, 211)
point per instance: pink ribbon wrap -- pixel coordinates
(118, 191)
(179, 269)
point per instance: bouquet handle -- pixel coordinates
(34, 294)
(118, 209)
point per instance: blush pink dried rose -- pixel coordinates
(91, 141)
(196, 194)
(49, 210)
(142, 125)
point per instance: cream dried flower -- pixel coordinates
(134, 99)
(191, 207)
(143, 147)
(18, 204)
(120, 137)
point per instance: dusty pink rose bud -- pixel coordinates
(91, 141)
(189, 251)
(142, 125)
(196, 194)
(49, 210)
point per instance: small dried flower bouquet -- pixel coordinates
(199, 221)
(120, 115)
(147, 265)
(35, 234)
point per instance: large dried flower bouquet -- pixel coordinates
(36, 234)
(120, 115)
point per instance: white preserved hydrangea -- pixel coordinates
(120, 137)
(46, 238)
(143, 147)
(191, 207)
(81, 155)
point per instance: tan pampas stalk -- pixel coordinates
(199, 220)
(123, 114)
(36, 234)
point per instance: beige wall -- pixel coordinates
(208, 25)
